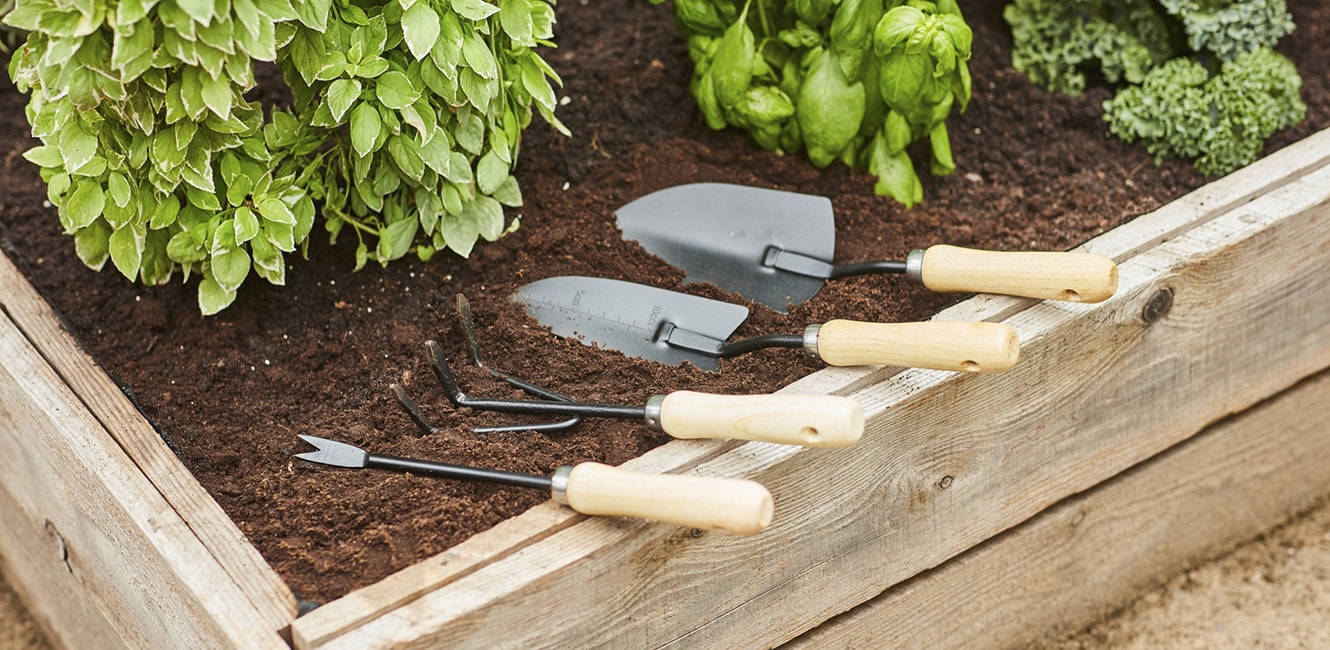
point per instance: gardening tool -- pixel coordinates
(776, 248)
(808, 420)
(735, 505)
(673, 327)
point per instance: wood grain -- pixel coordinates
(143, 445)
(1095, 552)
(1049, 275)
(98, 553)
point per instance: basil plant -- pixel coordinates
(852, 80)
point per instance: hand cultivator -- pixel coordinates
(809, 420)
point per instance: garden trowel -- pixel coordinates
(673, 327)
(776, 248)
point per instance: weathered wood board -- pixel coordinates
(1095, 552)
(1223, 303)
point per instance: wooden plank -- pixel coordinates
(73, 498)
(1095, 552)
(948, 461)
(136, 436)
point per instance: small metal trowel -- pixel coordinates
(776, 248)
(673, 327)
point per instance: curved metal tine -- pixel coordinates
(468, 323)
(409, 406)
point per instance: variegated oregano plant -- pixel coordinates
(404, 127)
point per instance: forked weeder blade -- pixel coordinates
(331, 452)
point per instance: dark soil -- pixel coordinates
(229, 393)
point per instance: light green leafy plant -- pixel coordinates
(1221, 121)
(1182, 61)
(850, 80)
(1057, 40)
(9, 37)
(405, 126)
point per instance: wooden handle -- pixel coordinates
(808, 420)
(967, 347)
(739, 506)
(1073, 277)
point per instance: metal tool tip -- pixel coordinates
(331, 452)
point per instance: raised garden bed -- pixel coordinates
(948, 462)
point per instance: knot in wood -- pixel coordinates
(945, 482)
(1158, 306)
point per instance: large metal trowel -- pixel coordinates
(776, 248)
(673, 327)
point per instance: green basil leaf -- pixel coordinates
(341, 94)
(85, 205)
(269, 263)
(126, 246)
(229, 267)
(313, 13)
(77, 146)
(184, 250)
(118, 187)
(246, 224)
(490, 172)
(903, 80)
(399, 236)
(420, 29)
(476, 52)
(475, 10)
(395, 90)
(213, 297)
(508, 193)
(93, 244)
(276, 211)
(829, 109)
(896, 28)
(515, 18)
(365, 124)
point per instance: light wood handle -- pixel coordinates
(1073, 277)
(735, 505)
(808, 420)
(967, 347)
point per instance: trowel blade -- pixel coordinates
(724, 234)
(631, 318)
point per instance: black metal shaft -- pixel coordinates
(463, 472)
(759, 342)
(539, 407)
(866, 268)
(455, 395)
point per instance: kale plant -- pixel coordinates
(1222, 121)
(850, 80)
(405, 126)
(1199, 79)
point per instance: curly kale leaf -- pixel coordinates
(1227, 28)
(1055, 41)
(1221, 121)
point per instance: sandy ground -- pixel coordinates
(1273, 592)
(17, 629)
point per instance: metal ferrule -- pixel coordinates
(652, 412)
(559, 484)
(914, 266)
(810, 340)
